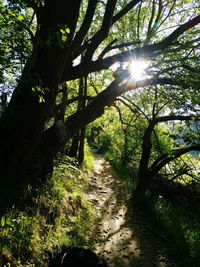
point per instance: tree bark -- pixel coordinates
(144, 175)
(23, 122)
(74, 146)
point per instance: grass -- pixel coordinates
(88, 158)
(180, 228)
(61, 215)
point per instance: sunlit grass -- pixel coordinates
(88, 158)
(61, 216)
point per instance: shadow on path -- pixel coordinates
(123, 237)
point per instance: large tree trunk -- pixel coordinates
(22, 124)
(27, 151)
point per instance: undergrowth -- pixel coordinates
(180, 229)
(61, 215)
(122, 171)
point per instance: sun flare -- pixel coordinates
(137, 69)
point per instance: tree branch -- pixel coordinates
(136, 108)
(151, 50)
(169, 13)
(77, 98)
(85, 25)
(108, 48)
(103, 32)
(125, 10)
(177, 118)
(103, 99)
(165, 159)
(160, 8)
(120, 116)
(180, 30)
(151, 21)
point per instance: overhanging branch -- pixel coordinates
(165, 159)
(125, 10)
(103, 32)
(151, 50)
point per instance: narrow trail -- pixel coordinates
(123, 238)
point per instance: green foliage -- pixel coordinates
(15, 39)
(61, 216)
(165, 142)
(58, 37)
(88, 157)
(64, 34)
(181, 229)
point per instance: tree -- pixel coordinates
(162, 144)
(147, 171)
(64, 31)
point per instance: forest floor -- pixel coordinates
(123, 236)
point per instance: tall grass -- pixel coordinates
(61, 215)
(180, 228)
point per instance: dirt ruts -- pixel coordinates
(123, 237)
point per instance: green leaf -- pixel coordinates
(62, 31)
(41, 99)
(67, 30)
(20, 17)
(64, 38)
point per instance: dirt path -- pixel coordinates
(123, 238)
